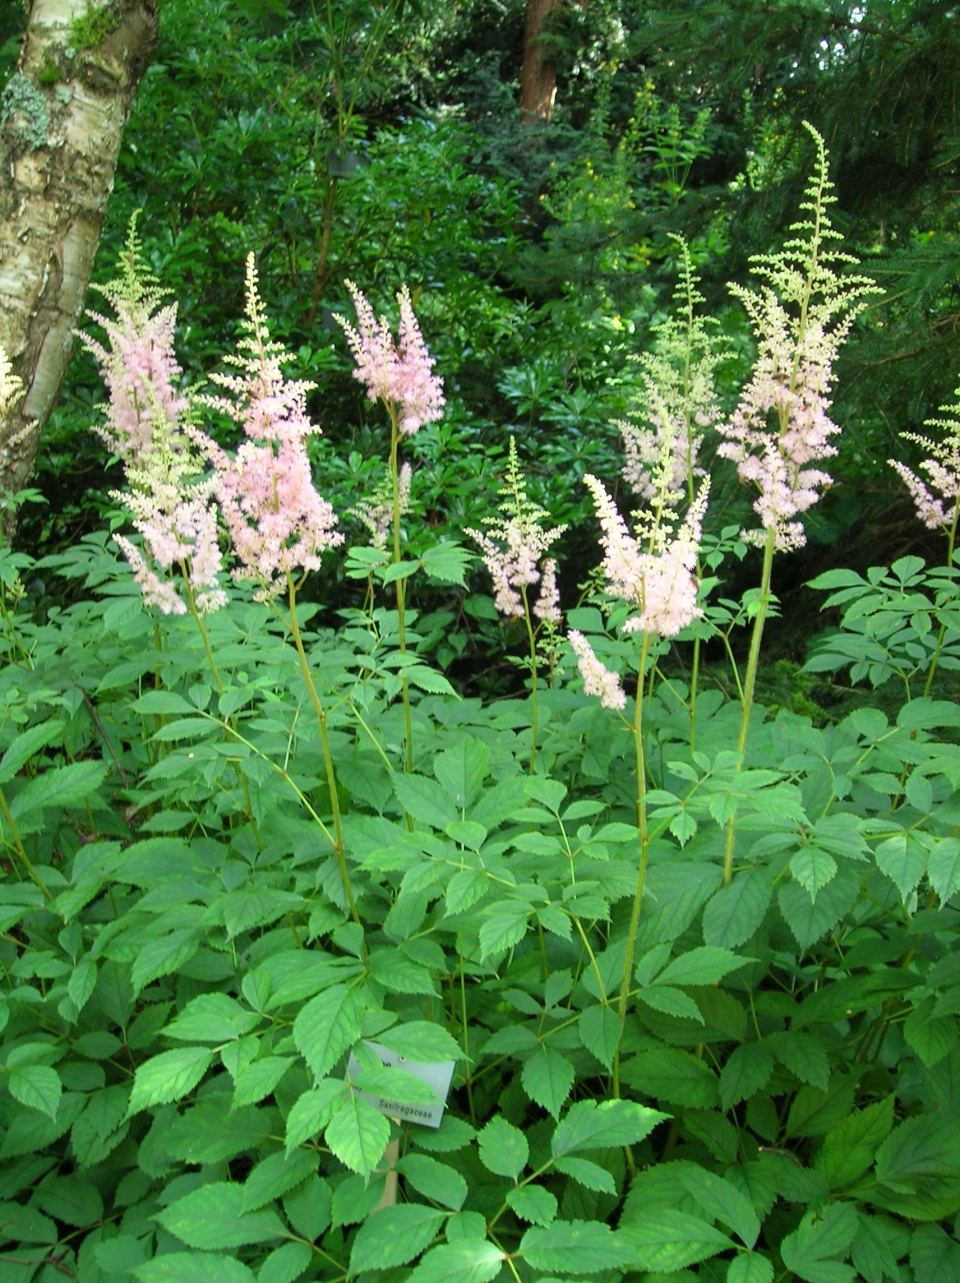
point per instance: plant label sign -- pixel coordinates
(436, 1076)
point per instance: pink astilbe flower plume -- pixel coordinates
(597, 680)
(278, 523)
(376, 514)
(942, 467)
(514, 543)
(147, 427)
(801, 318)
(399, 374)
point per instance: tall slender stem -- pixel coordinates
(325, 741)
(749, 683)
(951, 540)
(19, 847)
(637, 729)
(533, 676)
(401, 587)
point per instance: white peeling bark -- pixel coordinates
(61, 121)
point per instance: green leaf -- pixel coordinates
(747, 1071)
(211, 1218)
(503, 1148)
(533, 1203)
(589, 1175)
(813, 869)
(82, 983)
(71, 1199)
(934, 1256)
(904, 860)
(328, 1026)
(425, 800)
(421, 1041)
(461, 770)
(920, 1148)
(428, 679)
(576, 1247)
(26, 1224)
(931, 1037)
(358, 1135)
(547, 1078)
(394, 1084)
(258, 1080)
(213, 1017)
(925, 714)
(434, 1180)
(308, 1207)
(803, 1055)
(163, 702)
(722, 1202)
(672, 1002)
(750, 1268)
(447, 562)
(703, 966)
(277, 1175)
(24, 746)
(60, 787)
(188, 1267)
(609, 1125)
(673, 1076)
(285, 1264)
(312, 1111)
(504, 926)
(811, 920)
(167, 1077)
(37, 1087)
(666, 1240)
(164, 956)
(600, 1033)
(468, 1260)
(943, 868)
(549, 793)
(811, 1251)
(848, 1150)
(394, 1236)
(211, 1133)
(736, 911)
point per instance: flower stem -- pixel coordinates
(637, 730)
(19, 848)
(401, 587)
(533, 677)
(749, 683)
(951, 540)
(325, 741)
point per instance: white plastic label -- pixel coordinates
(436, 1076)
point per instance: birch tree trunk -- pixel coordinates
(62, 115)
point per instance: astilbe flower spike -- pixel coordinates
(942, 468)
(277, 521)
(397, 373)
(677, 399)
(147, 427)
(376, 514)
(597, 680)
(514, 543)
(801, 318)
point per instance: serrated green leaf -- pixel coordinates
(358, 1135)
(931, 1037)
(434, 1180)
(394, 1236)
(162, 957)
(589, 1175)
(258, 1079)
(934, 1256)
(312, 1111)
(813, 869)
(168, 1077)
(277, 1175)
(722, 1202)
(702, 966)
(547, 1078)
(461, 770)
(848, 1150)
(468, 1260)
(576, 1247)
(943, 868)
(72, 1199)
(736, 911)
(750, 1268)
(285, 1264)
(505, 925)
(503, 1148)
(904, 860)
(189, 1267)
(673, 1076)
(25, 745)
(212, 1017)
(37, 1087)
(61, 786)
(672, 1002)
(815, 1248)
(447, 562)
(803, 1055)
(327, 1026)
(665, 1240)
(533, 1203)
(747, 1071)
(600, 1033)
(81, 984)
(425, 800)
(421, 1041)
(211, 1218)
(609, 1125)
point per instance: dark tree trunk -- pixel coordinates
(538, 80)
